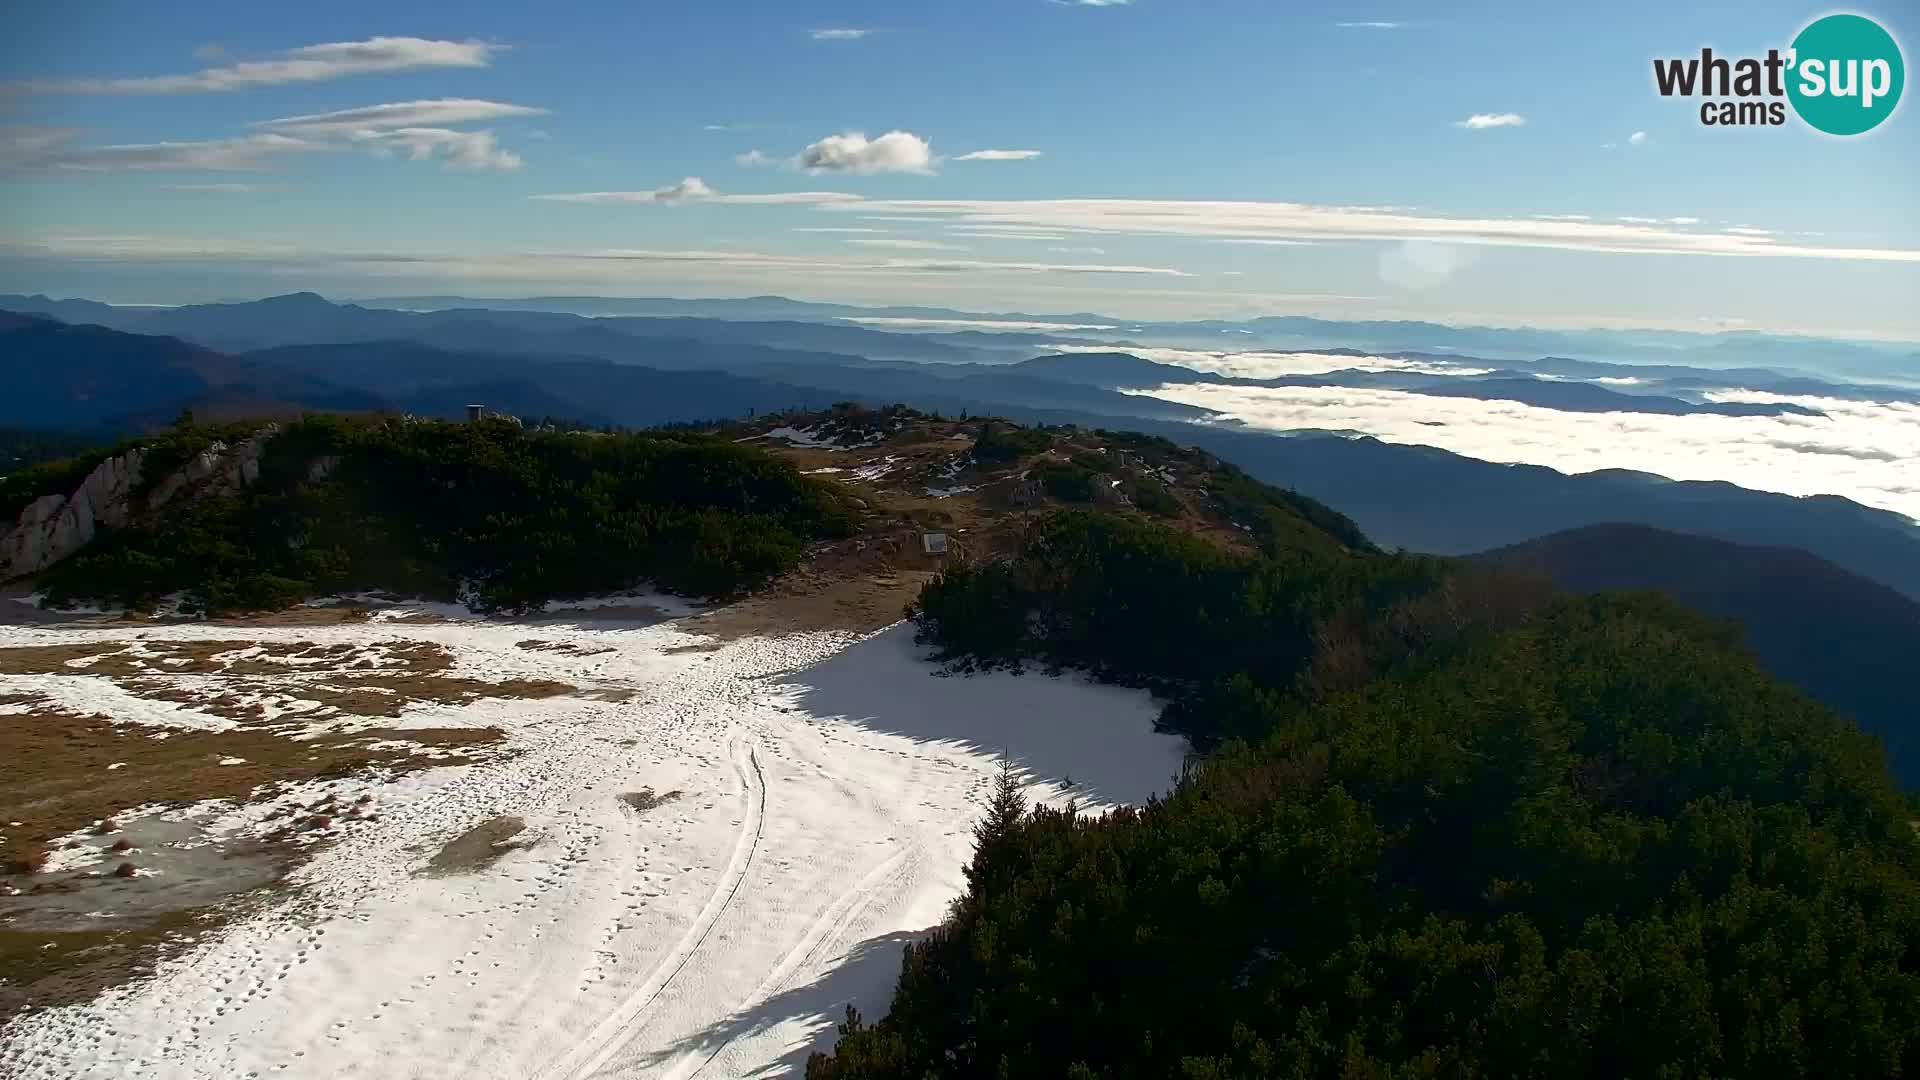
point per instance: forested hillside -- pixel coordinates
(486, 512)
(1456, 827)
(1841, 638)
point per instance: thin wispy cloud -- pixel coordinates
(882, 266)
(309, 63)
(219, 189)
(752, 158)
(1306, 221)
(1483, 121)
(840, 34)
(1284, 224)
(901, 243)
(400, 114)
(1372, 24)
(1287, 224)
(1004, 232)
(246, 154)
(1638, 138)
(408, 129)
(694, 189)
(458, 149)
(162, 248)
(999, 155)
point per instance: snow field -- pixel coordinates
(827, 791)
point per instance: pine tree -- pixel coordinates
(996, 836)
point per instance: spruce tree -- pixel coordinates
(994, 837)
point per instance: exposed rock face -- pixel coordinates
(53, 527)
(218, 470)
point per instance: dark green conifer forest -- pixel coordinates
(1451, 826)
(500, 517)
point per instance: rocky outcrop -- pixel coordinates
(218, 470)
(53, 527)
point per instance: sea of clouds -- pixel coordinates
(1866, 451)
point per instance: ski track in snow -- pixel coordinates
(828, 786)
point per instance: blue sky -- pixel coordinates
(1176, 158)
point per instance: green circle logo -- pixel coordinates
(1846, 74)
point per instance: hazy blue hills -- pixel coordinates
(89, 378)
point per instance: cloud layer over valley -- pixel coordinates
(1865, 451)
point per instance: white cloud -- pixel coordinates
(689, 189)
(459, 149)
(1480, 121)
(1372, 24)
(400, 114)
(1747, 230)
(832, 229)
(416, 129)
(1080, 250)
(309, 63)
(694, 189)
(1093, 3)
(999, 155)
(1861, 450)
(1562, 217)
(752, 158)
(853, 152)
(1659, 221)
(1637, 138)
(842, 34)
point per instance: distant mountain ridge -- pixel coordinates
(61, 376)
(1892, 362)
(1414, 497)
